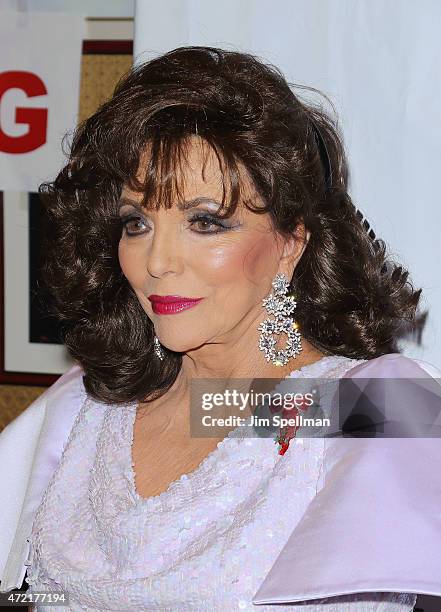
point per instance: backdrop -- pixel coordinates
(39, 89)
(378, 62)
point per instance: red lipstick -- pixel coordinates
(172, 304)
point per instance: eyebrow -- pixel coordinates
(186, 205)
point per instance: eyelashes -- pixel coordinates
(129, 219)
(203, 219)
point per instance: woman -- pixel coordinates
(196, 202)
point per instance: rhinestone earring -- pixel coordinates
(158, 349)
(281, 306)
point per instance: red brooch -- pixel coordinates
(283, 442)
(287, 433)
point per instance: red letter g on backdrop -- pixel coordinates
(35, 118)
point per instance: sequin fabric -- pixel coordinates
(206, 543)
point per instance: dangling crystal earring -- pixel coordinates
(281, 306)
(158, 349)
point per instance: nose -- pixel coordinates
(164, 253)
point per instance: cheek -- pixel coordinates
(249, 262)
(260, 264)
(223, 264)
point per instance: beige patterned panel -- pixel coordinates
(99, 75)
(14, 399)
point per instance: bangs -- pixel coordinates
(165, 161)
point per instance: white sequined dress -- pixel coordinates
(204, 544)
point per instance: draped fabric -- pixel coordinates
(247, 527)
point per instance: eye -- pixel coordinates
(205, 220)
(133, 225)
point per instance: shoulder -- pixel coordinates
(402, 398)
(39, 431)
(26, 426)
(68, 387)
(30, 447)
(393, 365)
(41, 427)
(373, 525)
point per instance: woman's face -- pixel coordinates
(229, 263)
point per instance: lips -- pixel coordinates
(172, 304)
(170, 299)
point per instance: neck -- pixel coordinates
(254, 366)
(173, 410)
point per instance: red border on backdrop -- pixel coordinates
(90, 47)
(108, 47)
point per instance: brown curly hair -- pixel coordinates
(351, 299)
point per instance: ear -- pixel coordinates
(295, 246)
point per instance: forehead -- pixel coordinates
(194, 163)
(186, 170)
